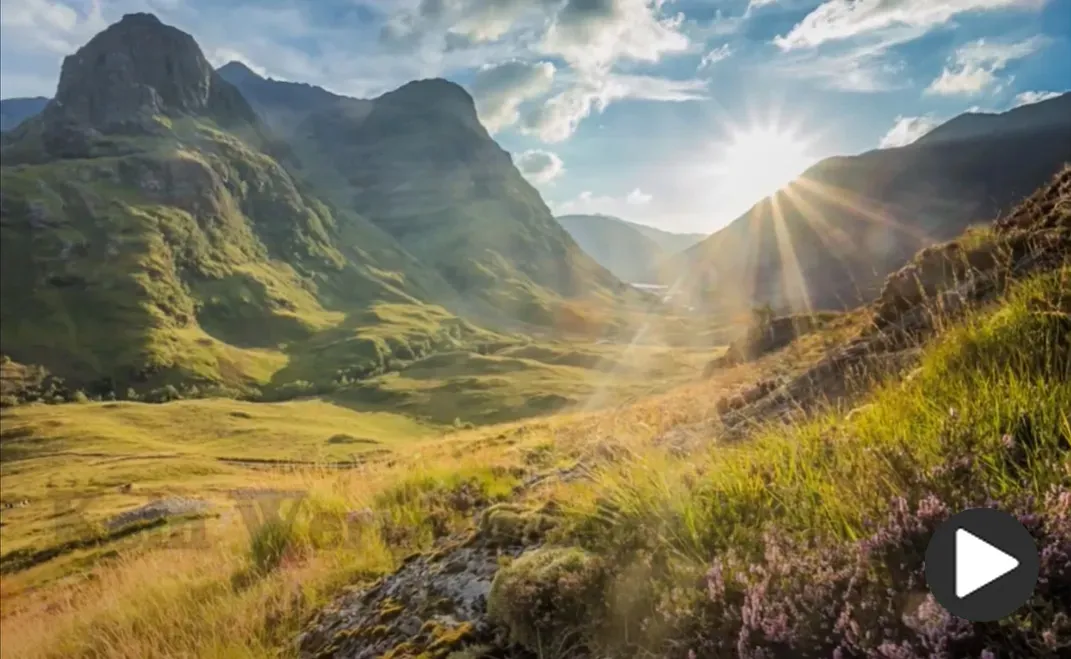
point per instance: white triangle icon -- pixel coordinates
(979, 563)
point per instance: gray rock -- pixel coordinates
(159, 509)
(136, 70)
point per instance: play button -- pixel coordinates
(982, 564)
(978, 563)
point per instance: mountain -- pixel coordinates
(282, 105)
(633, 252)
(157, 230)
(419, 164)
(150, 237)
(668, 241)
(13, 111)
(1036, 116)
(828, 239)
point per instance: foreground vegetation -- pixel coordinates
(697, 522)
(806, 538)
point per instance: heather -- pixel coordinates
(808, 540)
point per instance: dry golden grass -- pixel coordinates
(151, 596)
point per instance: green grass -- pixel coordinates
(634, 540)
(519, 382)
(823, 482)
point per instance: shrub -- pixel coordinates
(549, 598)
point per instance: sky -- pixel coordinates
(678, 114)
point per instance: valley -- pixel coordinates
(291, 373)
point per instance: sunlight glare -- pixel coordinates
(758, 161)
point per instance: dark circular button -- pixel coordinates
(982, 565)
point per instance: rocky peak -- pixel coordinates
(138, 68)
(236, 72)
(433, 96)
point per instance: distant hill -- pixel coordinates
(631, 251)
(156, 230)
(13, 111)
(282, 105)
(668, 241)
(828, 239)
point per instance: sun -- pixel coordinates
(758, 161)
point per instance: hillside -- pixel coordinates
(633, 252)
(778, 508)
(973, 125)
(156, 231)
(670, 242)
(282, 105)
(418, 163)
(619, 247)
(13, 111)
(827, 240)
(149, 237)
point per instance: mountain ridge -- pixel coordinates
(161, 234)
(634, 252)
(828, 239)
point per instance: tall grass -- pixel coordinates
(996, 383)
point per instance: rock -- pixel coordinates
(434, 603)
(134, 71)
(160, 509)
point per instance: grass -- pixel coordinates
(823, 483)
(245, 589)
(524, 381)
(768, 528)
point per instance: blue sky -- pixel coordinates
(677, 114)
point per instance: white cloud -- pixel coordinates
(44, 26)
(540, 166)
(865, 67)
(591, 35)
(587, 203)
(720, 53)
(835, 20)
(1029, 98)
(906, 130)
(479, 21)
(557, 118)
(973, 68)
(500, 90)
(483, 20)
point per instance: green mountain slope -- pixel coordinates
(282, 105)
(149, 237)
(418, 163)
(828, 239)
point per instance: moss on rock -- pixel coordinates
(507, 524)
(543, 595)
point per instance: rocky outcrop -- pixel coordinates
(139, 69)
(435, 603)
(941, 278)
